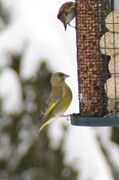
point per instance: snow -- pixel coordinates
(35, 27)
(90, 160)
(111, 148)
(10, 92)
(82, 150)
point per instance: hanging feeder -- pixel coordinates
(98, 92)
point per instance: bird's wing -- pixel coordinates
(65, 6)
(45, 119)
(51, 107)
(52, 102)
(55, 96)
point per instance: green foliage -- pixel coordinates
(24, 154)
(29, 154)
(115, 135)
(4, 16)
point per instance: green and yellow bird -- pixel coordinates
(58, 101)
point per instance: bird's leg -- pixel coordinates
(71, 25)
(67, 115)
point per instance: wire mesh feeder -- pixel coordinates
(98, 64)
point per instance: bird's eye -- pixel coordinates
(61, 74)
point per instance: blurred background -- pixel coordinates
(33, 45)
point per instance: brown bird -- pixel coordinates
(67, 13)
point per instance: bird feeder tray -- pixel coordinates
(78, 120)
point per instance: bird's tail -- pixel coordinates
(45, 123)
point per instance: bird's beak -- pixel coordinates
(65, 26)
(66, 76)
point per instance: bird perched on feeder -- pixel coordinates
(59, 99)
(67, 13)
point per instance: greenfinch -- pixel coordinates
(58, 101)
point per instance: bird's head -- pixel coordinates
(58, 78)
